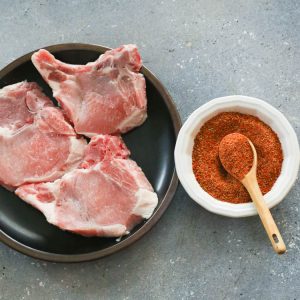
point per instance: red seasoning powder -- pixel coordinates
(236, 155)
(207, 167)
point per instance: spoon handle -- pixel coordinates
(265, 215)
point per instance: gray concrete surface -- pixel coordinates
(200, 50)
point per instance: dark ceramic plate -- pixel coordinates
(25, 229)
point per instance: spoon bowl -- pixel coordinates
(245, 105)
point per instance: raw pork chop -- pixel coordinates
(106, 96)
(36, 143)
(108, 196)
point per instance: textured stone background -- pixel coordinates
(200, 50)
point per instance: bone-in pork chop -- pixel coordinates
(106, 96)
(107, 196)
(36, 143)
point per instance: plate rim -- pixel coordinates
(177, 123)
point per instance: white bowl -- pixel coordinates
(247, 105)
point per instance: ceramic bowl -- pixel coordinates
(247, 105)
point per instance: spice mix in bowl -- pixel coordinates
(207, 166)
(201, 172)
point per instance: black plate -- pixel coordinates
(25, 229)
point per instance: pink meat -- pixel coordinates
(36, 143)
(106, 96)
(107, 196)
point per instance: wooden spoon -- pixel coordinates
(228, 159)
